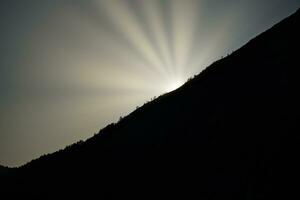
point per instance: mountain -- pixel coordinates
(3, 169)
(232, 132)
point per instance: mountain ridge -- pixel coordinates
(232, 129)
(195, 78)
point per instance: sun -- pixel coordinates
(173, 85)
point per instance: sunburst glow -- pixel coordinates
(68, 68)
(165, 49)
(173, 85)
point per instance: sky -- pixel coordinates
(70, 67)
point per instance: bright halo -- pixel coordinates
(173, 85)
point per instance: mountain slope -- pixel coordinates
(230, 133)
(3, 170)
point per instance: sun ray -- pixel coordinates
(156, 21)
(183, 15)
(121, 16)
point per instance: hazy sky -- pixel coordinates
(70, 67)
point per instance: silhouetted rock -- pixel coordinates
(232, 132)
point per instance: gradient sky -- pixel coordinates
(70, 67)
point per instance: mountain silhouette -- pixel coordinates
(232, 132)
(3, 170)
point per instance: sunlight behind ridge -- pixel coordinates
(173, 85)
(166, 52)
